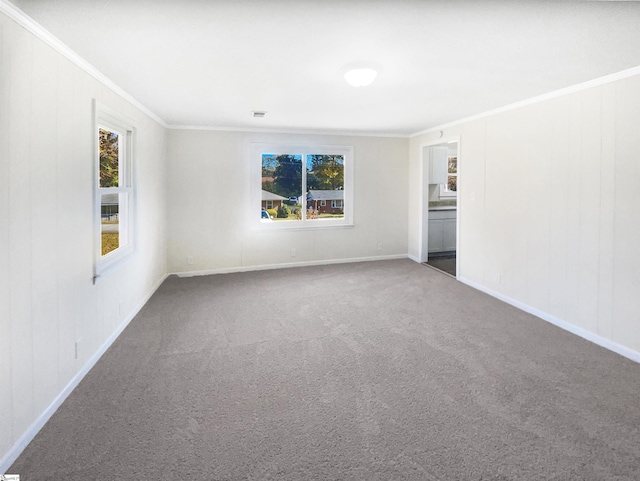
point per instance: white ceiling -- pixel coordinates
(210, 63)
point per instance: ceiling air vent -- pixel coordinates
(257, 114)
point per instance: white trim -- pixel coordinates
(264, 267)
(539, 98)
(23, 441)
(423, 219)
(105, 117)
(443, 188)
(290, 225)
(578, 331)
(240, 129)
(22, 19)
(447, 194)
(254, 152)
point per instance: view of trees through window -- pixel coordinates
(302, 187)
(452, 178)
(108, 158)
(113, 189)
(109, 202)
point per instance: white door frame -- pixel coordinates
(423, 223)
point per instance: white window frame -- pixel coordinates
(268, 204)
(444, 189)
(111, 120)
(255, 159)
(323, 203)
(334, 204)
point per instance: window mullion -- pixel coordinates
(303, 189)
(329, 173)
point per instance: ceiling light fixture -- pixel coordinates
(359, 74)
(258, 114)
(360, 77)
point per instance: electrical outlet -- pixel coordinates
(293, 252)
(76, 349)
(499, 278)
(379, 246)
(190, 260)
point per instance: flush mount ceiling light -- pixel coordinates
(258, 114)
(360, 75)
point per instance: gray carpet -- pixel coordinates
(372, 371)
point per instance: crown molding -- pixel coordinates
(343, 133)
(539, 98)
(22, 19)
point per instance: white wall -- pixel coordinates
(555, 223)
(209, 196)
(47, 298)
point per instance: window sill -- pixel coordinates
(447, 194)
(285, 226)
(108, 264)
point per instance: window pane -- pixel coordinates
(281, 186)
(109, 222)
(452, 183)
(325, 182)
(109, 158)
(453, 165)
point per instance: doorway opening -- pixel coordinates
(440, 206)
(443, 262)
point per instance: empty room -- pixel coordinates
(319, 240)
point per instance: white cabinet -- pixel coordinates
(438, 166)
(442, 230)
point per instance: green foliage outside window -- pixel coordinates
(282, 173)
(452, 169)
(108, 158)
(283, 212)
(326, 172)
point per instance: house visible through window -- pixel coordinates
(309, 186)
(113, 189)
(110, 158)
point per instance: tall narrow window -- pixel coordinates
(303, 185)
(110, 159)
(452, 174)
(113, 189)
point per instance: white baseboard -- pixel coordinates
(264, 267)
(578, 331)
(10, 456)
